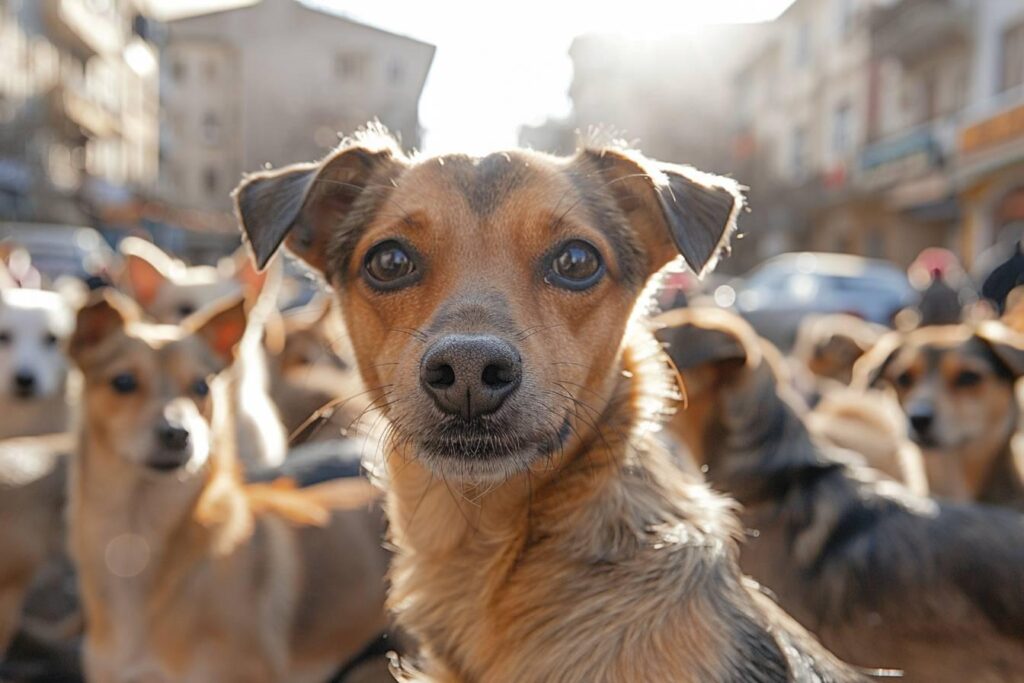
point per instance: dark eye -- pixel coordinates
(5, 337)
(577, 265)
(905, 379)
(967, 378)
(389, 265)
(124, 383)
(50, 339)
(201, 388)
(185, 310)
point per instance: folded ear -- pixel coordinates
(312, 208)
(694, 337)
(870, 368)
(677, 209)
(1006, 343)
(221, 329)
(106, 314)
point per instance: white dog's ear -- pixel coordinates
(221, 329)
(675, 209)
(316, 209)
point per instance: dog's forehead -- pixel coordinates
(487, 183)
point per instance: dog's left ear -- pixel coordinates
(1006, 344)
(108, 312)
(694, 337)
(221, 329)
(678, 209)
(311, 207)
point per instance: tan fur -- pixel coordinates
(885, 578)
(190, 575)
(968, 452)
(568, 554)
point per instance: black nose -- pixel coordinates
(470, 375)
(24, 381)
(922, 422)
(172, 437)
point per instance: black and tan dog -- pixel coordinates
(882, 577)
(543, 534)
(956, 385)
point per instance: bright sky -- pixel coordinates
(499, 66)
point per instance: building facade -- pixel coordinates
(274, 83)
(79, 108)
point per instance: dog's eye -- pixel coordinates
(905, 379)
(185, 310)
(50, 339)
(577, 265)
(967, 378)
(5, 337)
(389, 265)
(124, 383)
(201, 388)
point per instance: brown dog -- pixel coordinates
(956, 386)
(882, 577)
(185, 573)
(543, 533)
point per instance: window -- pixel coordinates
(211, 182)
(210, 70)
(1013, 58)
(798, 153)
(178, 71)
(842, 124)
(844, 17)
(802, 51)
(395, 72)
(351, 65)
(211, 128)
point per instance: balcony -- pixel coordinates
(908, 155)
(910, 29)
(83, 30)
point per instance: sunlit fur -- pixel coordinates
(189, 575)
(968, 450)
(529, 552)
(884, 578)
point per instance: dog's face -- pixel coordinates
(169, 291)
(34, 326)
(147, 388)
(487, 298)
(954, 384)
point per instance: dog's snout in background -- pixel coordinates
(470, 376)
(922, 417)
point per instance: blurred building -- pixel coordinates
(881, 127)
(273, 83)
(79, 102)
(557, 136)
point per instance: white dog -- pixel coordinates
(34, 324)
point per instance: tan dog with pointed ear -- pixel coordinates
(187, 574)
(885, 579)
(956, 385)
(543, 533)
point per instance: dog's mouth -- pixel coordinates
(166, 461)
(485, 448)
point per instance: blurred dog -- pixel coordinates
(882, 577)
(312, 375)
(543, 534)
(186, 574)
(829, 345)
(34, 325)
(956, 386)
(168, 291)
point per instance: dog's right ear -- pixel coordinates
(869, 370)
(106, 314)
(312, 207)
(694, 337)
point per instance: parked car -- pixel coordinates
(62, 249)
(776, 295)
